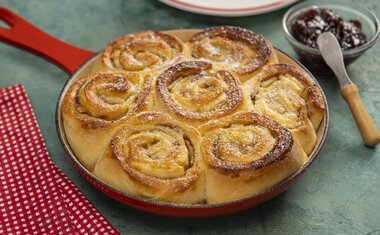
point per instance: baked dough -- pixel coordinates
(194, 93)
(208, 120)
(241, 51)
(155, 157)
(146, 52)
(246, 154)
(288, 95)
(95, 106)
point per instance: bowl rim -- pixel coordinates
(70, 153)
(310, 4)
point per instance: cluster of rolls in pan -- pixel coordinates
(207, 120)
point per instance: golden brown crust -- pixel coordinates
(315, 105)
(288, 95)
(95, 105)
(146, 51)
(98, 100)
(114, 124)
(160, 157)
(194, 93)
(241, 51)
(242, 149)
(277, 152)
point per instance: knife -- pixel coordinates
(332, 54)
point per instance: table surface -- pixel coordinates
(339, 194)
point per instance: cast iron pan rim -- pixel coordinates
(71, 155)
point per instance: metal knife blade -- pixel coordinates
(332, 54)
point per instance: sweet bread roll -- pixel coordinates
(155, 157)
(194, 93)
(206, 120)
(246, 154)
(145, 52)
(239, 50)
(95, 105)
(288, 95)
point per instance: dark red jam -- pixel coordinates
(307, 27)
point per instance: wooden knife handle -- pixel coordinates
(366, 126)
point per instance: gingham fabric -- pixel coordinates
(35, 196)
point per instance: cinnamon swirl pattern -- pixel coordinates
(94, 106)
(288, 95)
(155, 157)
(146, 51)
(245, 154)
(207, 120)
(194, 93)
(241, 51)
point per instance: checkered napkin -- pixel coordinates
(35, 196)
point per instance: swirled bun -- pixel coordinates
(246, 154)
(155, 157)
(193, 92)
(209, 119)
(95, 106)
(241, 51)
(146, 52)
(288, 95)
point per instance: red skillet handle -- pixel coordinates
(27, 36)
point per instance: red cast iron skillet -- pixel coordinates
(78, 62)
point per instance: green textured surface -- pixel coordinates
(340, 192)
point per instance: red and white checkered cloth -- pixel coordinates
(35, 196)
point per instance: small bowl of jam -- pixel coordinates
(355, 27)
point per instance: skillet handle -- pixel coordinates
(24, 35)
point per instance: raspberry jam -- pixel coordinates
(311, 23)
(307, 27)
